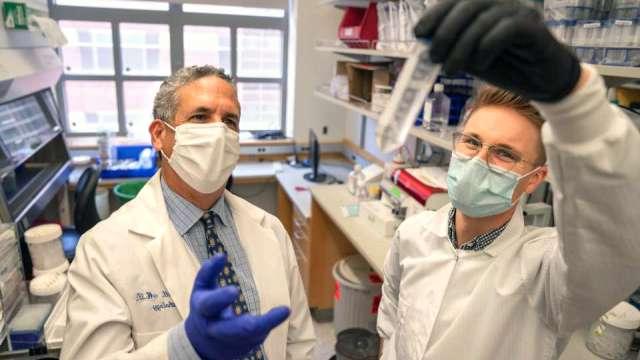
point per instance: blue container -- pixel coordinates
(131, 152)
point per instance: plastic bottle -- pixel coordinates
(104, 147)
(436, 109)
(354, 176)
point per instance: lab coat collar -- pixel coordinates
(511, 233)
(168, 249)
(153, 210)
(439, 226)
(515, 227)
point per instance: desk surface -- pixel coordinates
(291, 178)
(370, 244)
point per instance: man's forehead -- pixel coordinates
(209, 91)
(501, 125)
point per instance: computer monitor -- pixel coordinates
(314, 160)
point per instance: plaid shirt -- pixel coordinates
(477, 243)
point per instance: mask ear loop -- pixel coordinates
(530, 172)
(168, 125)
(174, 130)
(522, 177)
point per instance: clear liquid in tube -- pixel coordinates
(414, 83)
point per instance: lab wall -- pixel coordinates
(307, 69)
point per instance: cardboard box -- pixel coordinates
(363, 78)
(341, 67)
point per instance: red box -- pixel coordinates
(359, 27)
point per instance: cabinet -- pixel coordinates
(297, 227)
(300, 240)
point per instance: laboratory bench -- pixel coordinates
(295, 212)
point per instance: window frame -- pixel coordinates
(176, 19)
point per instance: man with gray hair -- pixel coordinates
(187, 270)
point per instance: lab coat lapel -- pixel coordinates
(175, 264)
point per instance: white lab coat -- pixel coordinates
(137, 250)
(522, 296)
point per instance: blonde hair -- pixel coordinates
(493, 96)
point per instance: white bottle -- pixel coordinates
(354, 177)
(436, 109)
(362, 190)
(104, 147)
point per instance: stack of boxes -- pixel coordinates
(12, 286)
(601, 31)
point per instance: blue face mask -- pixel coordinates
(478, 191)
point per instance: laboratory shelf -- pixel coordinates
(442, 139)
(619, 71)
(344, 50)
(357, 106)
(346, 3)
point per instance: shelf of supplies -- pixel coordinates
(357, 106)
(346, 3)
(619, 71)
(443, 139)
(364, 52)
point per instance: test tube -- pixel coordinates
(414, 83)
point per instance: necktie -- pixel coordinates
(228, 276)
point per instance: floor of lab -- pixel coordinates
(325, 346)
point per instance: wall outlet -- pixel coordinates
(325, 130)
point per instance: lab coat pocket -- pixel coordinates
(413, 332)
(142, 338)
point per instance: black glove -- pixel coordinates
(502, 42)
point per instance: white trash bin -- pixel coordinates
(357, 296)
(102, 203)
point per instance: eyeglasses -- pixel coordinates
(498, 157)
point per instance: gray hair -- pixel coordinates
(165, 103)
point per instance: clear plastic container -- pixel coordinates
(562, 30)
(585, 54)
(414, 82)
(625, 10)
(598, 56)
(633, 57)
(620, 33)
(380, 96)
(587, 33)
(615, 56)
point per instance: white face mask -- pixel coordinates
(204, 155)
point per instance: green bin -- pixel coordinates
(127, 190)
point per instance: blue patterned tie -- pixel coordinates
(228, 276)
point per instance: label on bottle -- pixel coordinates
(624, 22)
(591, 25)
(428, 111)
